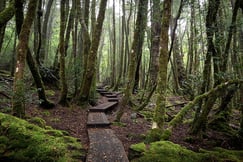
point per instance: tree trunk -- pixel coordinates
(113, 55)
(2, 29)
(43, 102)
(92, 56)
(119, 78)
(163, 62)
(44, 36)
(7, 14)
(210, 30)
(136, 45)
(18, 101)
(64, 88)
(155, 40)
(141, 24)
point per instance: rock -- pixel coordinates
(134, 116)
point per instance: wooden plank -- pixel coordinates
(103, 107)
(101, 90)
(105, 93)
(112, 99)
(105, 147)
(111, 96)
(97, 119)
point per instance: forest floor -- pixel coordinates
(73, 119)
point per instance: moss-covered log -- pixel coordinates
(179, 117)
(23, 141)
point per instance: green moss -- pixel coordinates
(22, 141)
(38, 121)
(166, 151)
(153, 135)
(50, 92)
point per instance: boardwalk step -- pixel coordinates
(112, 99)
(103, 107)
(101, 90)
(105, 93)
(105, 146)
(97, 119)
(111, 96)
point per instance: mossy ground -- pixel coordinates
(166, 151)
(23, 141)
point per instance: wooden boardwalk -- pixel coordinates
(97, 119)
(104, 144)
(103, 107)
(105, 147)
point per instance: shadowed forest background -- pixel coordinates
(176, 65)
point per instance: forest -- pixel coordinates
(121, 80)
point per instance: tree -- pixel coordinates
(163, 62)
(22, 47)
(92, 55)
(135, 54)
(64, 88)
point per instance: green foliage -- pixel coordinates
(22, 141)
(166, 151)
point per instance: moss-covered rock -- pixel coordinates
(166, 151)
(22, 141)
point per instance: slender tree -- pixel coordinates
(18, 101)
(163, 62)
(92, 56)
(64, 88)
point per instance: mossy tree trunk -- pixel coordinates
(43, 102)
(135, 49)
(120, 70)
(64, 88)
(240, 72)
(215, 92)
(223, 113)
(7, 14)
(92, 55)
(139, 31)
(2, 29)
(163, 62)
(155, 40)
(210, 31)
(18, 101)
(141, 24)
(224, 110)
(44, 35)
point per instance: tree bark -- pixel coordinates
(139, 34)
(210, 30)
(92, 56)
(64, 88)
(7, 14)
(141, 24)
(163, 62)
(155, 40)
(18, 101)
(2, 29)
(43, 48)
